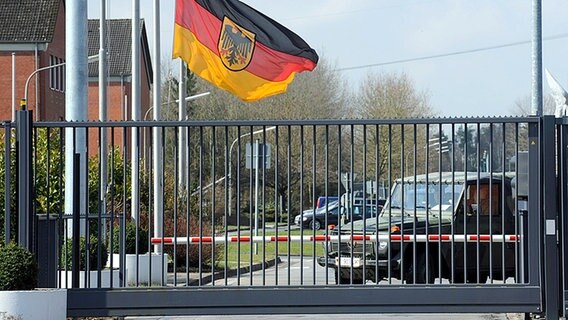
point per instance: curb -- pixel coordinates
(221, 274)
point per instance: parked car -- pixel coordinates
(333, 214)
(434, 204)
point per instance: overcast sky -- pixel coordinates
(357, 34)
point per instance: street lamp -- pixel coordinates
(230, 152)
(186, 100)
(24, 101)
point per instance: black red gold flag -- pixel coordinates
(239, 49)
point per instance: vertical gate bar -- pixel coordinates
(226, 211)
(122, 220)
(326, 186)
(440, 168)
(427, 182)
(7, 181)
(364, 213)
(251, 199)
(551, 274)
(301, 203)
(201, 151)
(314, 197)
(137, 202)
(288, 193)
(100, 194)
(477, 200)
(379, 185)
(351, 195)
(188, 203)
(415, 192)
(401, 174)
(503, 196)
(76, 220)
(465, 206)
(238, 206)
(389, 245)
(175, 195)
(112, 208)
(339, 151)
(213, 158)
(519, 263)
(489, 165)
(277, 206)
(263, 205)
(150, 180)
(86, 214)
(452, 227)
(60, 215)
(161, 215)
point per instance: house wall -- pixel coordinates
(52, 103)
(25, 65)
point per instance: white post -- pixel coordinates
(182, 138)
(157, 134)
(136, 105)
(76, 103)
(14, 87)
(103, 111)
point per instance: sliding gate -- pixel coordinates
(224, 218)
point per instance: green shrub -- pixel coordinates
(67, 256)
(18, 268)
(130, 246)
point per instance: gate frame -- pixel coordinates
(540, 293)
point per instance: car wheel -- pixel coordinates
(419, 272)
(345, 277)
(315, 224)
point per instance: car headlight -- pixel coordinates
(382, 247)
(304, 218)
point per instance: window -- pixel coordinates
(56, 74)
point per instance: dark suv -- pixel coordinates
(441, 225)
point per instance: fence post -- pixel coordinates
(24, 169)
(7, 181)
(550, 214)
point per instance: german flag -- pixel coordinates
(239, 49)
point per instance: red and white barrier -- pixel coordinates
(343, 238)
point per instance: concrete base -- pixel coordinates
(146, 263)
(93, 279)
(34, 304)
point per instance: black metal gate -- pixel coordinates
(420, 215)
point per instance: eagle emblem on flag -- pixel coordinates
(236, 45)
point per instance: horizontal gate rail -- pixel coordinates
(293, 300)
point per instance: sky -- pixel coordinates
(472, 58)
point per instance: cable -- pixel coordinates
(449, 54)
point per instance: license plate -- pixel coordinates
(347, 262)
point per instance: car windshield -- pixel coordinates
(422, 197)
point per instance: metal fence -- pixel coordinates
(420, 213)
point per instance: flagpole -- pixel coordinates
(135, 101)
(536, 103)
(103, 111)
(157, 134)
(182, 116)
(76, 105)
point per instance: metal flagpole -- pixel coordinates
(103, 111)
(182, 146)
(536, 102)
(76, 103)
(157, 134)
(136, 112)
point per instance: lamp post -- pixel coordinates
(24, 101)
(230, 152)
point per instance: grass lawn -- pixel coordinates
(267, 251)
